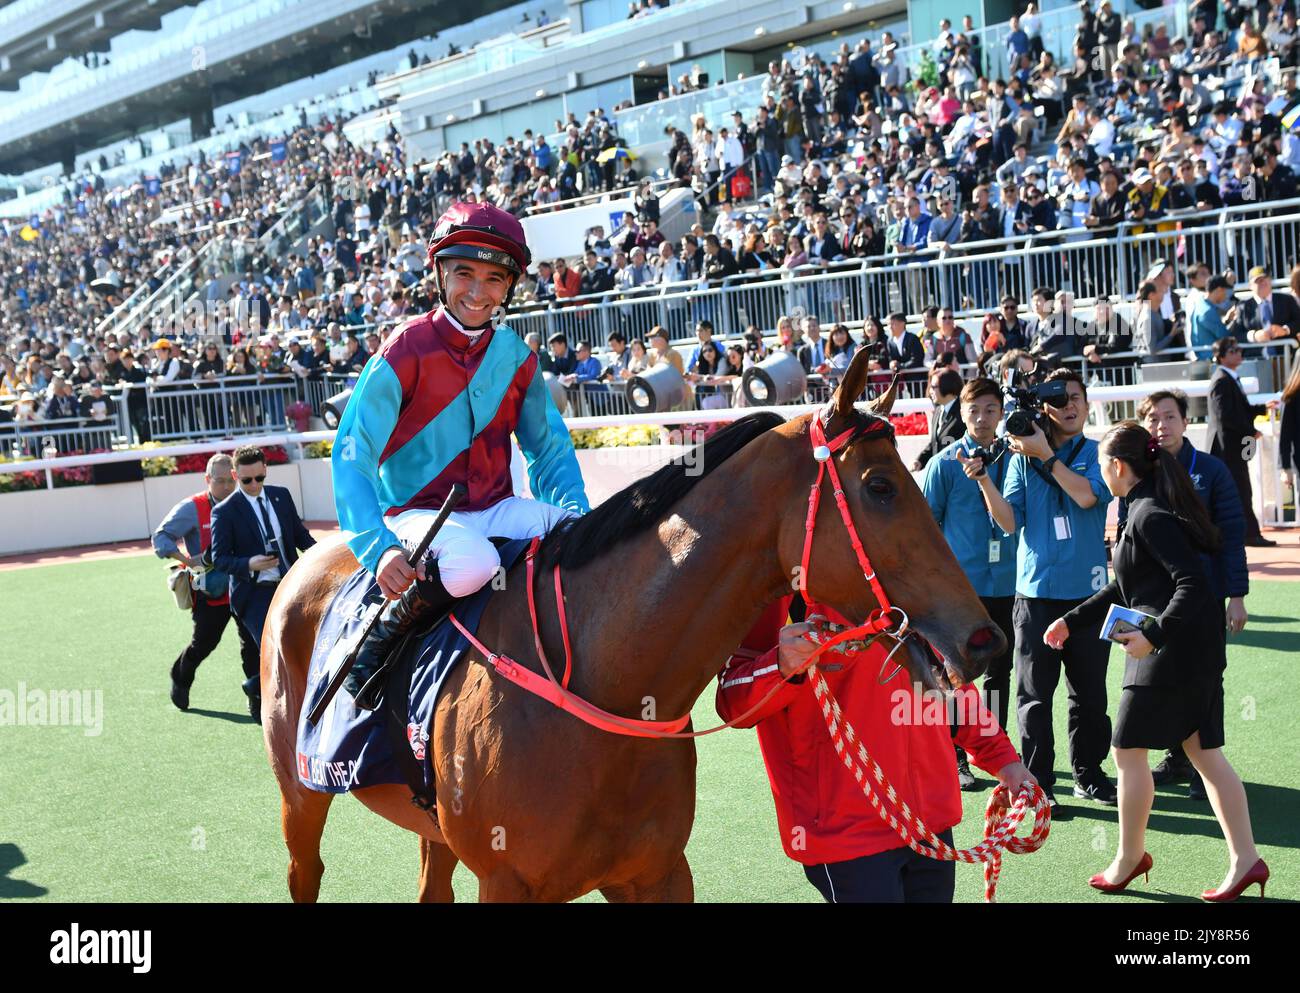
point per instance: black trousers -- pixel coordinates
(1038, 670)
(1241, 476)
(896, 876)
(997, 680)
(209, 625)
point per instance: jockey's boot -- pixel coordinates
(423, 600)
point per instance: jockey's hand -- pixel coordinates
(798, 641)
(394, 575)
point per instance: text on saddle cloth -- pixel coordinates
(350, 748)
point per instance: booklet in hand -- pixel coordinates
(1122, 620)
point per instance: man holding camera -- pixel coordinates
(190, 522)
(1055, 498)
(256, 537)
(986, 553)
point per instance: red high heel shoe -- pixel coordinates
(1143, 868)
(1258, 874)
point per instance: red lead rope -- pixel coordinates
(1001, 818)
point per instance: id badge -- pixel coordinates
(1062, 525)
(995, 550)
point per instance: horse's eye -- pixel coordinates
(881, 488)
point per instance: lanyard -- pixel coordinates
(1051, 480)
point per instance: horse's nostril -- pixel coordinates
(982, 638)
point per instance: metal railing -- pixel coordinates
(970, 277)
(46, 439)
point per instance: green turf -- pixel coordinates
(170, 806)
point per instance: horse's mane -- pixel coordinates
(634, 509)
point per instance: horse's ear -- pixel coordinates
(884, 403)
(852, 385)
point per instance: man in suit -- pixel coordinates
(1265, 315)
(946, 424)
(905, 350)
(812, 353)
(256, 537)
(1232, 431)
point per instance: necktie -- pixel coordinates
(1266, 313)
(269, 531)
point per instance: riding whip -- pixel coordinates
(453, 498)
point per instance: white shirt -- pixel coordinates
(1102, 137)
(274, 573)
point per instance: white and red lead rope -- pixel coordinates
(1001, 820)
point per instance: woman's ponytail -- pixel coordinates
(1130, 442)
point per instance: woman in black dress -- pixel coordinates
(1173, 676)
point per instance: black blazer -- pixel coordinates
(237, 537)
(1231, 417)
(1290, 439)
(911, 355)
(1285, 312)
(1160, 572)
(946, 426)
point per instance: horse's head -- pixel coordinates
(908, 552)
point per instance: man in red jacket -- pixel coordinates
(826, 822)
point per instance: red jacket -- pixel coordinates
(821, 810)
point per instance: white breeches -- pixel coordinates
(466, 558)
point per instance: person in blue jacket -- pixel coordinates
(986, 553)
(1164, 414)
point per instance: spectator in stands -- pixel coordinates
(1265, 315)
(661, 351)
(1055, 499)
(60, 404)
(558, 359)
(96, 405)
(1208, 323)
(905, 350)
(839, 352)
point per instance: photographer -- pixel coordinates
(987, 555)
(190, 522)
(1054, 497)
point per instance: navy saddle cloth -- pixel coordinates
(351, 748)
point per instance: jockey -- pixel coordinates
(435, 406)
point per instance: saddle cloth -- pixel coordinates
(351, 748)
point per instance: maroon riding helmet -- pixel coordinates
(483, 233)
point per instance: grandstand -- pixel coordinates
(313, 187)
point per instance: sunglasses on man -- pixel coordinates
(252, 479)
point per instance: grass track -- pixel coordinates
(170, 806)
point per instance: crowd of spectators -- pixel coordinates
(862, 156)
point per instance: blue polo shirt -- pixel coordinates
(1048, 567)
(960, 511)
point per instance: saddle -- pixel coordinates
(352, 748)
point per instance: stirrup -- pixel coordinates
(420, 601)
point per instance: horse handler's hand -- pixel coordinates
(1013, 776)
(394, 575)
(798, 641)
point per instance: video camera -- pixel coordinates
(1025, 404)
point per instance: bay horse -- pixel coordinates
(541, 806)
